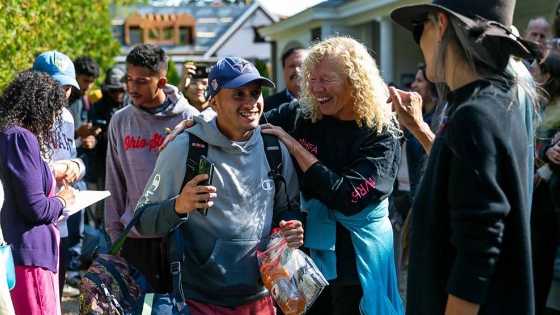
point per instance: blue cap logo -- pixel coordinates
(233, 72)
(243, 65)
(58, 66)
(61, 64)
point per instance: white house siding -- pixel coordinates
(241, 43)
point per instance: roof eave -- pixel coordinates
(309, 16)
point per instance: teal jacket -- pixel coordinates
(372, 236)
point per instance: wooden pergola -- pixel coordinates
(161, 29)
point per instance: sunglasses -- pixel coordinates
(417, 30)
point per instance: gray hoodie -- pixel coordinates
(134, 138)
(220, 264)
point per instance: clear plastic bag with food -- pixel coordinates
(293, 279)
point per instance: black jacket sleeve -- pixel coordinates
(542, 155)
(477, 196)
(367, 179)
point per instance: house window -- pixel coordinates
(316, 34)
(257, 38)
(118, 33)
(135, 35)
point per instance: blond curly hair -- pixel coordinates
(359, 70)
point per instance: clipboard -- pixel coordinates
(85, 198)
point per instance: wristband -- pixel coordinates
(62, 200)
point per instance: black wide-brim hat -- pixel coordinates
(497, 13)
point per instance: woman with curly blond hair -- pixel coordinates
(344, 138)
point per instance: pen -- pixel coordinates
(167, 130)
(64, 183)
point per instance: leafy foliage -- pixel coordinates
(263, 71)
(73, 27)
(205, 2)
(172, 74)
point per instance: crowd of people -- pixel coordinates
(443, 198)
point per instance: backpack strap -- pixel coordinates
(122, 237)
(274, 157)
(176, 257)
(197, 148)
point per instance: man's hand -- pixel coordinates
(292, 231)
(556, 138)
(88, 142)
(87, 129)
(175, 132)
(189, 70)
(193, 196)
(457, 306)
(66, 170)
(553, 153)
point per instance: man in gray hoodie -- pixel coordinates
(134, 134)
(220, 272)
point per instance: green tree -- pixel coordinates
(207, 2)
(263, 70)
(73, 27)
(172, 74)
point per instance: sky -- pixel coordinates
(288, 7)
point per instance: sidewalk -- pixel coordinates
(70, 305)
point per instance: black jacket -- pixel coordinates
(275, 100)
(104, 109)
(470, 223)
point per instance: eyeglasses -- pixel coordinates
(417, 30)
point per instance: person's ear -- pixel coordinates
(162, 82)
(546, 76)
(442, 25)
(214, 103)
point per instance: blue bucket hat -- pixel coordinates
(233, 72)
(58, 66)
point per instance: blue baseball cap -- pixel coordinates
(58, 66)
(233, 72)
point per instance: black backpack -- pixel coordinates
(199, 147)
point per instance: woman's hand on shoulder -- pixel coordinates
(282, 135)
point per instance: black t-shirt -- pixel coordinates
(349, 156)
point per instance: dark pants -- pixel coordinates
(338, 300)
(147, 256)
(62, 263)
(544, 240)
(75, 240)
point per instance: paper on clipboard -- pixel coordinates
(85, 198)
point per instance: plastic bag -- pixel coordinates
(281, 261)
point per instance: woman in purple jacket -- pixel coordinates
(29, 107)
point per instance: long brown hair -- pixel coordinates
(555, 27)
